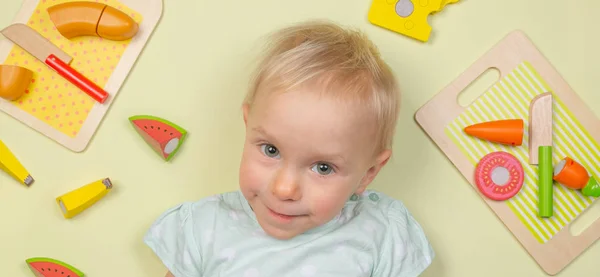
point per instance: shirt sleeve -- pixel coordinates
(172, 239)
(405, 250)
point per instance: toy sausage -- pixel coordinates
(83, 18)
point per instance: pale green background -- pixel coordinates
(194, 71)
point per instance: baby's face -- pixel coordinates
(303, 157)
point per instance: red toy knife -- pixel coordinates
(42, 49)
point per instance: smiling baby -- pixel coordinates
(320, 117)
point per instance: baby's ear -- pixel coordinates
(380, 161)
(245, 109)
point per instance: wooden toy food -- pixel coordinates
(407, 17)
(110, 62)
(163, 136)
(51, 55)
(506, 131)
(499, 175)
(525, 73)
(86, 18)
(48, 267)
(540, 149)
(76, 201)
(14, 81)
(10, 164)
(573, 175)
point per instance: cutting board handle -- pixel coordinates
(586, 237)
(504, 57)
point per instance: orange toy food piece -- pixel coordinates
(571, 174)
(14, 81)
(506, 131)
(116, 25)
(83, 18)
(73, 19)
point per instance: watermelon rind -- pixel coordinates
(167, 122)
(50, 260)
(162, 120)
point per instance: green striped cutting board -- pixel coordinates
(509, 98)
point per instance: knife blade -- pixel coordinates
(540, 149)
(43, 50)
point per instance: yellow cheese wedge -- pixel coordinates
(404, 16)
(86, 18)
(14, 81)
(10, 164)
(76, 201)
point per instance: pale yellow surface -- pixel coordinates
(194, 70)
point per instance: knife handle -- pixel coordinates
(76, 78)
(545, 181)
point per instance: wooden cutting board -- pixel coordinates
(56, 108)
(524, 73)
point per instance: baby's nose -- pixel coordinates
(286, 189)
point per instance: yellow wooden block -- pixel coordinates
(74, 202)
(12, 166)
(407, 17)
(446, 2)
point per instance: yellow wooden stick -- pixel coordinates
(10, 164)
(76, 201)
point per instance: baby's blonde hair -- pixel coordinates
(343, 61)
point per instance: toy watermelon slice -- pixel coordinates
(163, 136)
(48, 267)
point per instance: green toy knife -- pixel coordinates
(540, 149)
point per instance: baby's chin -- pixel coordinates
(278, 233)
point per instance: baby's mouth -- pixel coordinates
(283, 216)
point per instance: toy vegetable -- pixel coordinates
(573, 175)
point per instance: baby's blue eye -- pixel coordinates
(269, 150)
(322, 168)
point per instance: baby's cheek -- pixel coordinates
(326, 207)
(251, 177)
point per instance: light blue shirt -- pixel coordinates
(374, 235)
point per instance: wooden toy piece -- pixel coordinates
(549, 241)
(592, 188)
(14, 81)
(545, 185)
(499, 175)
(76, 201)
(407, 17)
(48, 267)
(570, 174)
(573, 175)
(506, 131)
(540, 124)
(446, 2)
(109, 70)
(86, 18)
(10, 164)
(163, 136)
(540, 149)
(49, 54)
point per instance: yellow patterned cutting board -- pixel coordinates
(52, 105)
(524, 73)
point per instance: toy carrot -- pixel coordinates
(505, 131)
(573, 175)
